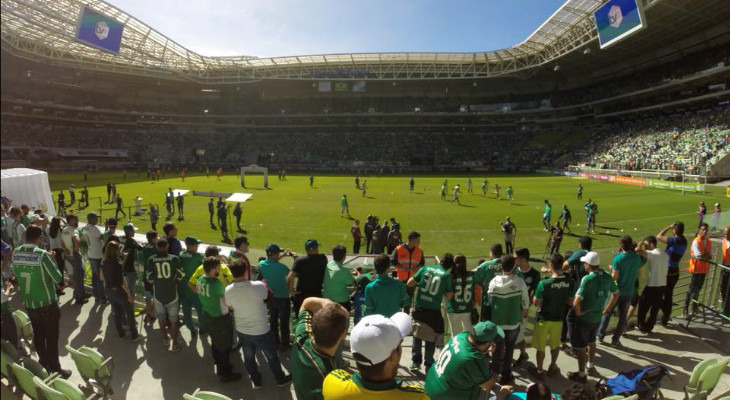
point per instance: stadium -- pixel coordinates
(617, 105)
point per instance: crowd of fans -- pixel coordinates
(686, 142)
(240, 304)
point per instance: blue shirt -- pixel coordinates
(274, 274)
(175, 246)
(676, 247)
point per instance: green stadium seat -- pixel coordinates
(71, 391)
(95, 370)
(25, 329)
(203, 395)
(24, 378)
(47, 392)
(8, 356)
(35, 368)
(698, 380)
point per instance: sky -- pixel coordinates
(267, 28)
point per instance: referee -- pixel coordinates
(38, 276)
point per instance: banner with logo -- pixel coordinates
(686, 186)
(626, 180)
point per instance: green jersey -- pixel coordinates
(594, 291)
(463, 294)
(459, 371)
(148, 250)
(509, 191)
(627, 265)
(531, 278)
(433, 283)
(189, 263)
(344, 202)
(37, 275)
(554, 293)
(308, 366)
(211, 293)
(164, 272)
(548, 210)
(484, 274)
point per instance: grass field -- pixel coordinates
(291, 212)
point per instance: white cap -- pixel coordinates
(591, 258)
(375, 337)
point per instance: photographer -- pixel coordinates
(274, 274)
(556, 236)
(509, 230)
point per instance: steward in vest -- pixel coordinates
(407, 260)
(698, 266)
(725, 273)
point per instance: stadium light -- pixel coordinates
(474, 84)
(587, 50)
(556, 68)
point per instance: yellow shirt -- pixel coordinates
(340, 385)
(225, 275)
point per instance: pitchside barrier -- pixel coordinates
(658, 179)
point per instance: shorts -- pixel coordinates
(545, 329)
(583, 334)
(167, 311)
(545, 217)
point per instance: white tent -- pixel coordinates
(28, 186)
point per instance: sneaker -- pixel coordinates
(258, 385)
(591, 369)
(537, 373)
(230, 377)
(522, 358)
(415, 367)
(576, 377)
(139, 338)
(175, 347)
(602, 339)
(81, 300)
(506, 379)
(166, 342)
(553, 370)
(615, 343)
(287, 380)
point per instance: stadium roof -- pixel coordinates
(45, 30)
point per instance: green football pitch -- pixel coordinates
(291, 212)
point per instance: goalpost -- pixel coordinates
(253, 168)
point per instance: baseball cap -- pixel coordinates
(273, 248)
(92, 215)
(591, 258)
(191, 241)
(487, 331)
(129, 227)
(311, 244)
(375, 337)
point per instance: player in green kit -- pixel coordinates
(546, 215)
(345, 206)
(462, 371)
(434, 284)
(443, 192)
(553, 294)
(510, 192)
(190, 260)
(163, 271)
(485, 187)
(218, 321)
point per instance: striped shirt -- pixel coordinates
(37, 275)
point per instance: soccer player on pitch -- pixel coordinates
(469, 186)
(546, 215)
(485, 187)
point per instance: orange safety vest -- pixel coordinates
(697, 266)
(408, 261)
(725, 253)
